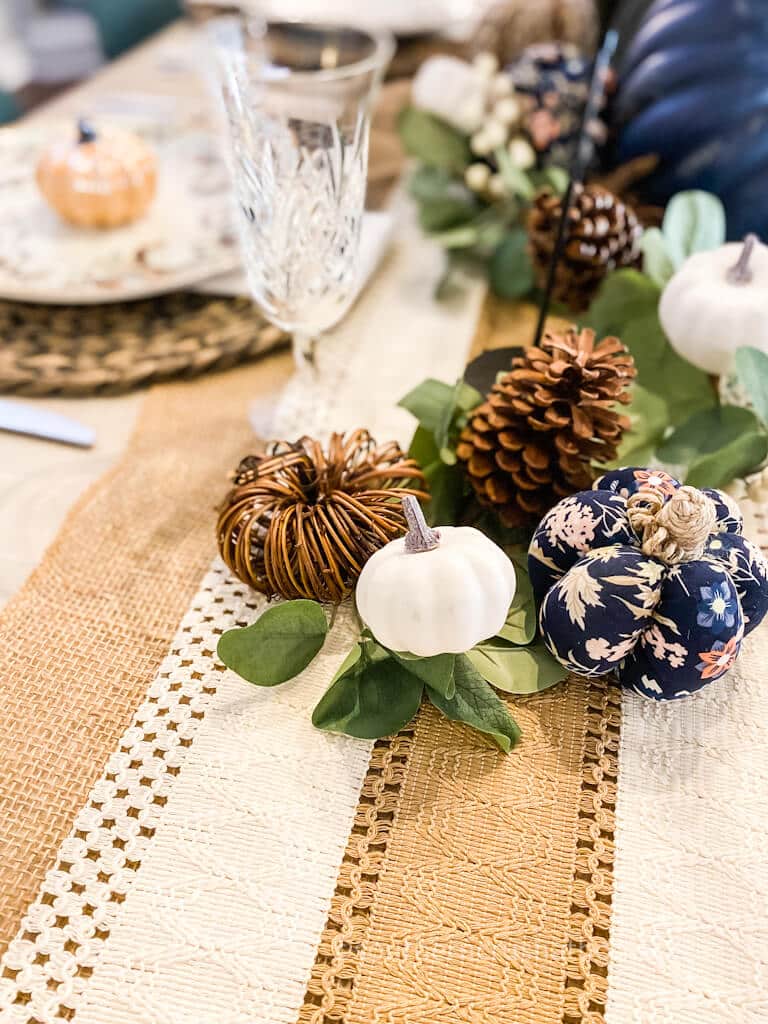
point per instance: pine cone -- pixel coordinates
(533, 440)
(603, 235)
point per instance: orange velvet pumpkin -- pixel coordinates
(98, 180)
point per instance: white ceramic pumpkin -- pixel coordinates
(435, 591)
(717, 302)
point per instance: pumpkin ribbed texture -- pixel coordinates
(545, 422)
(603, 235)
(301, 521)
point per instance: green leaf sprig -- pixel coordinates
(279, 645)
(442, 411)
(376, 692)
(694, 221)
(478, 230)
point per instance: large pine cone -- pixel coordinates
(603, 234)
(534, 439)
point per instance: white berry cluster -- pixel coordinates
(498, 117)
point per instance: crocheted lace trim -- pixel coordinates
(586, 986)
(47, 966)
(333, 976)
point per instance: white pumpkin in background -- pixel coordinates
(452, 90)
(716, 303)
(435, 591)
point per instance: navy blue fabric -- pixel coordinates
(576, 525)
(695, 635)
(629, 480)
(604, 606)
(747, 568)
(592, 617)
(729, 519)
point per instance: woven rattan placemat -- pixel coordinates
(83, 350)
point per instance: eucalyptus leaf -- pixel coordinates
(428, 402)
(434, 142)
(446, 482)
(516, 669)
(476, 704)
(743, 455)
(752, 370)
(685, 389)
(627, 306)
(423, 448)
(520, 627)
(511, 271)
(463, 399)
(557, 179)
(649, 418)
(657, 263)
(372, 695)
(624, 296)
(448, 212)
(706, 432)
(447, 493)
(465, 236)
(436, 672)
(427, 183)
(278, 646)
(694, 221)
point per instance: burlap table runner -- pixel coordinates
(80, 643)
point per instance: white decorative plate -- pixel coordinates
(186, 236)
(401, 17)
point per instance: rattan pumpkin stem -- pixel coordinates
(740, 272)
(420, 537)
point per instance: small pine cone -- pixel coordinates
(603, 235)
(533, 440)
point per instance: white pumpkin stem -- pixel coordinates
(420, 537)
(740, 272)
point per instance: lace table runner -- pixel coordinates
(232, 864)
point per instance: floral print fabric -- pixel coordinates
(604, 606)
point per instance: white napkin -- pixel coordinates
(375, 235)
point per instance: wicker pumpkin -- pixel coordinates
(99, 180)
(647, 579)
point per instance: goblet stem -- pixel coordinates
(304, 346)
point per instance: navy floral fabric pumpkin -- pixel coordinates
(648, 579)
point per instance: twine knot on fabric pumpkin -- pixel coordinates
(674, 529)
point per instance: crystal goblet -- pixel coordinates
(298, 102)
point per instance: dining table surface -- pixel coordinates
(185, 847)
